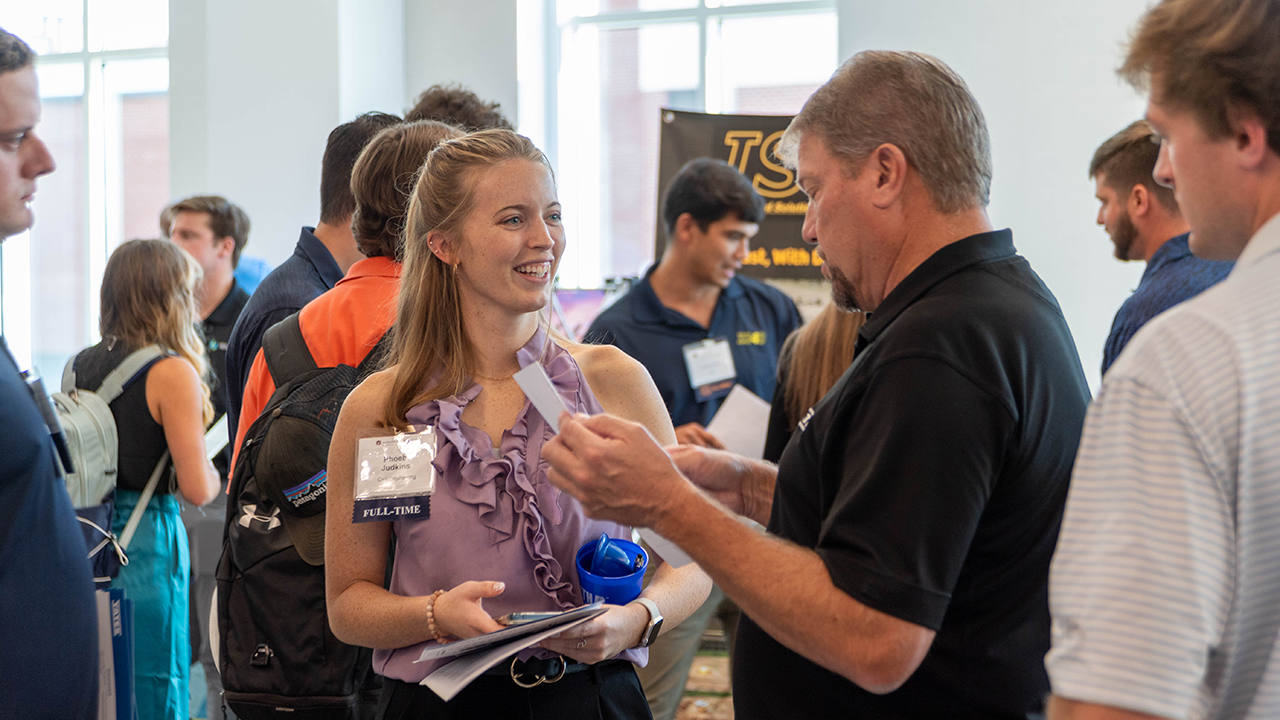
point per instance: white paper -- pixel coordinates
(533, 380)
(742, 423)
(216, 438)
(515, 632)
(449, 680)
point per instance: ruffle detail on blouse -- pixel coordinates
(513, 486)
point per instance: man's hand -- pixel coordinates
(694, 434)
(741, 485)
(615, 469)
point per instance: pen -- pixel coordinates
(45, 403)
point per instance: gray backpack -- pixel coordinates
(94, 446)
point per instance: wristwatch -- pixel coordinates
(655, 622)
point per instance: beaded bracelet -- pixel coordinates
(431, 617)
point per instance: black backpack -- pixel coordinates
(276, 654)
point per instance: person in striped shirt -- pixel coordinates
(1165, 586)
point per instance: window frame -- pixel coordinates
(98, 240)
(556, 26)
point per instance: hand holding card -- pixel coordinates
(537, 387)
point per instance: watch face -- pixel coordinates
(652, 635)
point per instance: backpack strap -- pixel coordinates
(286, 351)
(69, 375)
(124, 374)
(135, 517)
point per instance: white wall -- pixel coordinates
(371, 36)
(1044, 73)
(473, 43)
(255, 89)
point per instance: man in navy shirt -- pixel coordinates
(1144, 223)
(693, 295)
(48, 620)
(699, 329)
(319, 260)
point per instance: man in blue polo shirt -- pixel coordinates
(699, 330)
(1144, 223)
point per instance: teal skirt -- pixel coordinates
(156, 580)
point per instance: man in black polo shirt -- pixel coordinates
(693, 301)
(214, 231)
(913, 514)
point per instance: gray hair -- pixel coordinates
(914, 102)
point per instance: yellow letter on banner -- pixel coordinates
(734, 140)
(784, 187)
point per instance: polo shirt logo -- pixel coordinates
(753, 337)
(804, 421)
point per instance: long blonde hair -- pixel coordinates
(816, 356)
(148, 298)
(431, 342)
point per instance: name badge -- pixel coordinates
(394, 475)
(711, 370)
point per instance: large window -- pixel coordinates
(104, 82)
(592, 90)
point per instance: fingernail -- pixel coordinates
(499, 587)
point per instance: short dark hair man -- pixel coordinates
(1164, 584)
(693, 295)
(913, 514)
(48, 616)
(456, 105)
(1144, 223)
(214, 231)
(320, 259)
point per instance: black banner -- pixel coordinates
(745, 142)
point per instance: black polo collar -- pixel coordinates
(229, 309)
(947, 261)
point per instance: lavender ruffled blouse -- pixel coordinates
(495, 515)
